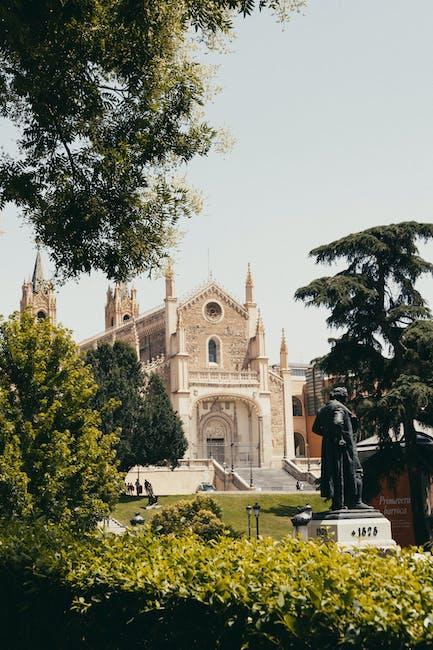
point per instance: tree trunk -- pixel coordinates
(417, 494)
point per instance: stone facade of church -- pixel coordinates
(210, 350)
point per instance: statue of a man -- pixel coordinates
(341, 471)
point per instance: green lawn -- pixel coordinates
(276, 509)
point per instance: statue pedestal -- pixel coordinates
(351, 528)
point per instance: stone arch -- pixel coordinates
(227, 397)
(216, 434)
(299, 445)
(233, 424)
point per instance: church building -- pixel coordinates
(210, 351)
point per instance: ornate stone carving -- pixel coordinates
(215, 428)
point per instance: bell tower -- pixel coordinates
(38, 294)
(121, 305)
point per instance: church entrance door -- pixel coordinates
(215, 449)
(216, 434)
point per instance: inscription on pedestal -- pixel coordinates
(350, 528)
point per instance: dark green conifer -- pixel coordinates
(385, 335)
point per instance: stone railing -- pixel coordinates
(221, 377)
(228, 481)
(196, 462)
(302, 473)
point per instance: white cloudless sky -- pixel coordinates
(333, 121)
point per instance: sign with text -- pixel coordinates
(394, 504)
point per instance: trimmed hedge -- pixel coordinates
(149, 592)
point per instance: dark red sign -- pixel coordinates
(394, 504)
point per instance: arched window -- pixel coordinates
(126, 317)
(41, 315)
(299, 445)
(212, 351)
(296, 406)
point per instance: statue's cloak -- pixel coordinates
(335, 422)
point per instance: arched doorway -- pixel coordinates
(299, 445)
(216, 435)
(228, 429)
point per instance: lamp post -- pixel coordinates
(250, 460)
(248, 509)
(225, 475)
(231, 455)
(256, 510)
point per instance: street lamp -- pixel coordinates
(248, 509)
(225, 475)
(250, 459)
(256, 510)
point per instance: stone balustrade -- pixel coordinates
(222, 377)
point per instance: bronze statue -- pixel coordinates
(341, 471)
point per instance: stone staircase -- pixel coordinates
(111, 525)
(269, 480)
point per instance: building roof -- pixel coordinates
(123, 326)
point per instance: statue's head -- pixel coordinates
(340, 394)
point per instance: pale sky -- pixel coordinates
(333, 121)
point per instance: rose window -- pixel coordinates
(213, 311)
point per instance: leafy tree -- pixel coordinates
(138, 408)
(120, 386)
(106, 98)
(164, 439)
(385, 351)
(55, 463)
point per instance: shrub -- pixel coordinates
(208, 526)
(184, 515)
(167, 592)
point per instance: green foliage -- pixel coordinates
(163, 439)
(384, 353)
(138, 408)
(106, 98)
(202, 516)
(121, 384)
(55, 462)
(148, 592)
(375, 302)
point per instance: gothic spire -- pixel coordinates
(260, 329)
(169, 273)
(121, 290)
(284, 364)
(38, 274)
(169, 280)
(249, 285)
